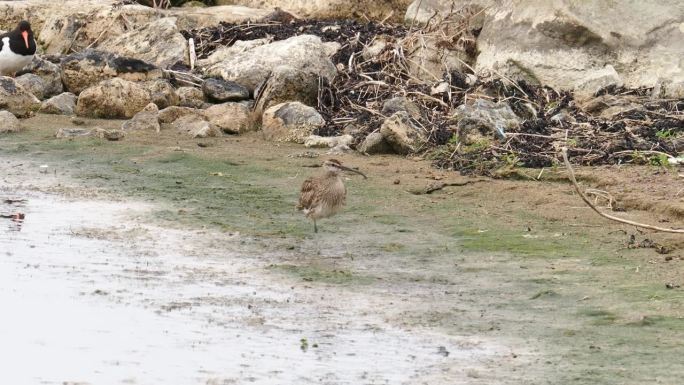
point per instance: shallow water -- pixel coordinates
(91, 294)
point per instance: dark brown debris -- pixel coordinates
(595, 132)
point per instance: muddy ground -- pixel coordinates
(162, 259)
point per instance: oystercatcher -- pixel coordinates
(17, 48)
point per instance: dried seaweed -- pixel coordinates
(349, 33)
(353, 101)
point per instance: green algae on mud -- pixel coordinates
(323, 274)
(228, 194)
(564, 289)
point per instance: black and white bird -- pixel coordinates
(17, 48)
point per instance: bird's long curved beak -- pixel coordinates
(354, 171)
(24, 34)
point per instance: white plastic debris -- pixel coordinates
(191, 53)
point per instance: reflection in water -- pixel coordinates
(8, 210)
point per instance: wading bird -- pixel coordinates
(17, 48)
(324, 195)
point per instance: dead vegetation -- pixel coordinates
(377, 62)
(586, 200)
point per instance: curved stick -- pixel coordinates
(588, 202)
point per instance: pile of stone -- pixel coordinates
(473, 84)
(393, 95)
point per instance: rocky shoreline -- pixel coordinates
(438, 86)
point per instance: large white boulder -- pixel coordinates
(252, 66)
(400, 133)
(15, 99)
(89, 67)
(113, 98)
(569, 44)
(9, 122)
(231, 118)
(290, 122)
(158, 42)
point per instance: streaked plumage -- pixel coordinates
(324, 195)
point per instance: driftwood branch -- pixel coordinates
(591, 205)
(432, 187)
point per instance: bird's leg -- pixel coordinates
(315, 227)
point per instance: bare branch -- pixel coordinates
(613, 218)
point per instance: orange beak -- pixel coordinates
(24, 34)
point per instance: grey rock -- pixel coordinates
(159, 42)
(223, 53)
(441, 88)
(231, 118)
(669, 89)
(191, 97)
(49, 72)
(247, 103)
(62, 104)
(609, 106)
(162, 93)
(195, 126)
(77, 121)
(328, 141)
(194, 3)
(147, 120)
(88, 68)
(252, 66)
(114, 98)
(285, 84)
(170, 114)
(375, 48)
(594, 80)
(219, 90)
(375, 143)
(562, 118)
(339, 150)
(483, 117)
(290, 122)
(596, 105)
(400, 103)
(16, 99)
(72, 25)
(111, 135)
(430, 59)
(72, 132)
(401, 135)
(32, 83)
(353, 129)
(9, 122)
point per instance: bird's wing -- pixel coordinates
(307, 194)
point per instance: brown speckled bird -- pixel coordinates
(324, 195)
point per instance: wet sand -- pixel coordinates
(150, 307)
